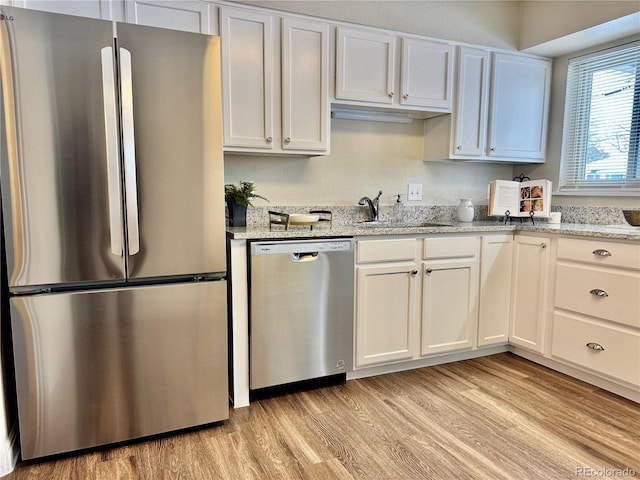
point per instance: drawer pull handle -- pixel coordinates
(598, 292)
(595, 346)
(602, 252)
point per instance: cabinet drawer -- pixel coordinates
(449, 247)
(600, 252)
(577, 289)
(620, 358)
(391, 250)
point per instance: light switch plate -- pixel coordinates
(414, 192)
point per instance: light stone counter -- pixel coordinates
(618, 232)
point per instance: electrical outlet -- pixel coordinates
(414, 192)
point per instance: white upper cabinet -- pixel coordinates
(305, 85)
(471, 111)
(426, 74)
(367, 73)
(365, 65)
(102, 9)
(246, 40)
(185, 15)
(500, 111)
(275, 83)
(519, 107)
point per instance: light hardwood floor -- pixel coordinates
(497, 417)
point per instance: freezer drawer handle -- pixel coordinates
(113, 150)
(305, 257)
(595, 346)
(128, 146)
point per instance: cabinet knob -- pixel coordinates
(598, 292)
(269, 139)
(287, 140)
(390, 94)
(543, 245)
(414, 272)
(595, 346)
(493, 149)
(459, 147)
(405, 96)
(429, 270)
(601, 252)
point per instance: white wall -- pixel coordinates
(489, 23)
(543, 21)
(365, 157)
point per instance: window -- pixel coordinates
(601, 135)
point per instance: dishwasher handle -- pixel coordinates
(305, 256)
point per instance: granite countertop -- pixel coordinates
(618, 232)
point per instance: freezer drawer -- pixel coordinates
(98, 367)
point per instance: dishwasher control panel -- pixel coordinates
(297, 246)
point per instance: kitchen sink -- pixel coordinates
(383, 224)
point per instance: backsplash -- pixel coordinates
(347, 215)
(592, 215)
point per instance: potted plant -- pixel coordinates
(238, 198)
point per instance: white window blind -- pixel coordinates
(601, 135)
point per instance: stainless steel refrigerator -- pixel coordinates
(113, 208)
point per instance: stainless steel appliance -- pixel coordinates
(301, 310)
(112, 195)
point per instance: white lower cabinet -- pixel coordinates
(385, 318)
(596, 314)
(607, 349)
(529, 291)
(448, 303)
(496, 260)
(406, 310)
(449, 294)
(386, 326)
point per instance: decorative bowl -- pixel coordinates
(303, 218)
(632, 217)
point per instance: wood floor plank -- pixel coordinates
(497, 417)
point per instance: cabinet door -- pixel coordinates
(385, 313)
(427, 74)
(305, 85)
(185, 15)
(102, 9)
(449, 299)
(495, 289)
(470, 114)
(529, 287)
(365, 63)
(519, 107)
(246, 40)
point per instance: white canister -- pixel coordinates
(465, 210)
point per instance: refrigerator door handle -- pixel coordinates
(113, 150)
(128, 146)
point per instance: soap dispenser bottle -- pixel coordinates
(397, 210)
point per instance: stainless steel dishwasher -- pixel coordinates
(301, 310)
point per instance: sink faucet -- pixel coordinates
(374, 206)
